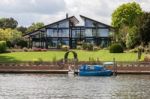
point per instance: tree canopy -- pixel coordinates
(8, 23)
(144, 28)
(35, 26)
(126, 14)
(9, 34)
(126, 19)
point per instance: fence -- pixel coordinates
(133, 66)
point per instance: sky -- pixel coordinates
(28, 11)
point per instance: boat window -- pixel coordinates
(90, 67)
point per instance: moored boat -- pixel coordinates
(94, 70)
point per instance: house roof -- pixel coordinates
(95, 21)
(72, 18)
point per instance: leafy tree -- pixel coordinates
(132, 38)
(9, 34)
(35, 26)
(126, 14)
(144, 28)
(125, 19)
(22, 29)
(8, 23)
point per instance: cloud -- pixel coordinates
(47, 11)
(32, 6)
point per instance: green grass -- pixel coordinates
(103, 55)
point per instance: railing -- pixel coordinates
(138, 66)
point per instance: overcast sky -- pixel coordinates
(47, 11)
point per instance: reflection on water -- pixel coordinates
(48, 86)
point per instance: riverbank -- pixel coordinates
(16, 71)
(62, 68)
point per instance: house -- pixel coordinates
(67, 32)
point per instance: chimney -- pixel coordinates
(66, 15)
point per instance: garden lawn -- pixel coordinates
(102, 55)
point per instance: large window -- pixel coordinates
(88, 23)
(50, 32)
(64, 24)
(57, 42)
(58, 33)
(103, 32)
(76, 33)
(65, 32)
(88, 32)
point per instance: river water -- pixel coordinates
(49, 86)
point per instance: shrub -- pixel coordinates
(79, 47)
(3, 46)
(44, 50)
(87, 46)
(90, 46)
(22, 43)
(25, 49)
(37, 49)
(95, 48)
(65, 47)
(147, 58)
(116, 48)
(84, 46)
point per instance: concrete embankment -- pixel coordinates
(34, 71)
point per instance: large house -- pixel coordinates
(67, 32)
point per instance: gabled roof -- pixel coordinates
(95, 21)
(72, 18)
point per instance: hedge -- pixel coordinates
(3, 46)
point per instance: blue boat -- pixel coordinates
(94, 70)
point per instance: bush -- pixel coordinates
(116, 48)
(3, 46)
(95, 48)
(22, 43)
(25, 49)
(65, 47)
(37, 49)
(84, 46)
(147, 58)
(79, 47)
(88, 46)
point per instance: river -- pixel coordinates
(50, 86)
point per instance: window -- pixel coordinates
(55, 32)
(88, 32)
(65, 32)
(88, 23)
(49, 32)
(64, 24)
(103, 32)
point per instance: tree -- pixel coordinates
(22, 29)
(126, 14)
(8, 23)
(132, 38)
(125, 19)
(35, 26)
(144, 28)
(10, 35)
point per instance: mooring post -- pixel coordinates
(114, 67)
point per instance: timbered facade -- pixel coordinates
(67, 32)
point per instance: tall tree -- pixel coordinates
(22, 29)
(35, 26)
(144, 28)
(9, 34)
(126, 14)
(8, 23)
(124, 18)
